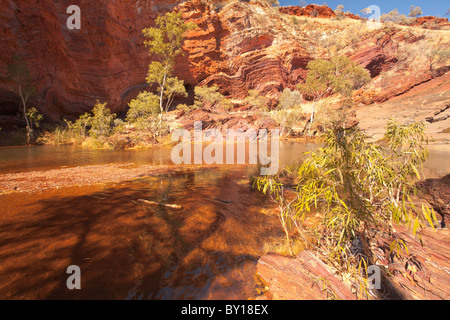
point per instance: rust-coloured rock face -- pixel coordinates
(430, 20)
(71, 69)
(236, 47)
(257, 53)
(311, 10)
(376, 56)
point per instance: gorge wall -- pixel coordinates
(239, 47)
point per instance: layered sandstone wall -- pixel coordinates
(239, 47)
(71, 69)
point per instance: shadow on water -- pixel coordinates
(127, 249)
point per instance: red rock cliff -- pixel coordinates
(71, 69)
(237, 47)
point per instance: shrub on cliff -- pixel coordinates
(340, 12)
(414, 12)
(255, 100)
(210, 96)
(395, 17)
(289, 99)
(339, 75)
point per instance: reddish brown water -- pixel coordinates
(131, 250)
(127, 249)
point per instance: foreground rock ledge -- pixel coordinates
(423, 273)
(302, 278)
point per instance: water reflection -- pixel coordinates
(18, 159)
(127, 249)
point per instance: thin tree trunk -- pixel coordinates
(161, 96)
(30, 134)
(312, 118)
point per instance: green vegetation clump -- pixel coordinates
(210, 96)
(289, 113)
(340, 12)
(395, 17)
(102, 121)
(340, 75)
(143, 114)
(358, 188)
(255, 100)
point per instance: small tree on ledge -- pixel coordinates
(339, 75)
(414, 12)
(19, 73)
(165, 43)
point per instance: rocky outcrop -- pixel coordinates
(432, 22)
(421, 273)
(311, 10)
(302, 278)
(437, 193)
(417, 97)
(376, 55)
(256, 52)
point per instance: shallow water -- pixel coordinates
(128, 249)
(20, 159)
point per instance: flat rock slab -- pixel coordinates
(302, 278)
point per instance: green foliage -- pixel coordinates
(144, 106)
(207, 95)
(35, 117)
(211, 96)
(166, 40)
(414, 12)
(174, 88)
(289, 99)
(80, 127)
(288, 119)
(255, 100)
(165, 44)
(294, 20)
(226, 104)
(357, 186)
(395, 17)
(143, 112)
(339, 75)
(288, 113)
(102, 121)
(340, 12)
(185, 108)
